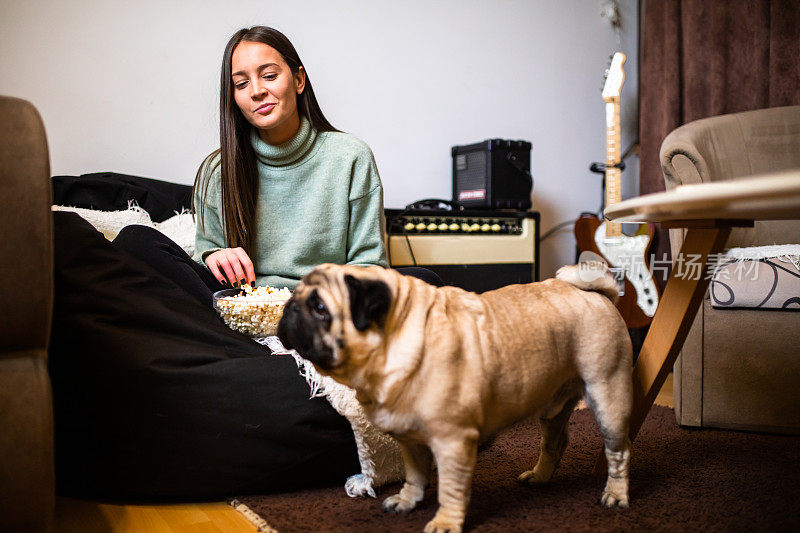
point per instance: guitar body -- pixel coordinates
(639, 302)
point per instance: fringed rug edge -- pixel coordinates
(253, 517)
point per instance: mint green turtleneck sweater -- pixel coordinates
(320, 200)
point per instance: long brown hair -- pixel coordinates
(237, 159)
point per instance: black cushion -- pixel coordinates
(109, 191)
(156, 398)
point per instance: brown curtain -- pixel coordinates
(702, 58)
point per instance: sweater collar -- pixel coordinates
(287, 153)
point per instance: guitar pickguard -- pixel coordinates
(628, 253)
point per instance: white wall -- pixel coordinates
(132, 87)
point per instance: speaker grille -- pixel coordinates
(473, 174)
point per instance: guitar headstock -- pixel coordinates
(615, 76)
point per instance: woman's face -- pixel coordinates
(265, 89)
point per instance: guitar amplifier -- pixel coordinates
(476, 250)
(493, 174)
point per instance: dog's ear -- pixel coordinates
(369, 301)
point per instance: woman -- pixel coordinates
(290, 190)
(154, 395)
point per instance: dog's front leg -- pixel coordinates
(417, 461)
(455, 460)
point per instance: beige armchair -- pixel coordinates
(27, 486)
(739, 368)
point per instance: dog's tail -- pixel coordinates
(590, 277)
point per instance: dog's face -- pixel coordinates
(335, 315)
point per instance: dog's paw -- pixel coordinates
(398, 504)
(439, 525)
(531, 477)
(359, 485)
(610, 499)
(615, 494)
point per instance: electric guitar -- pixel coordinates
(629, 253)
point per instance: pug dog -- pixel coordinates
(443, 369)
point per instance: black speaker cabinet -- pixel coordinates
(477, 250)
(493, 174)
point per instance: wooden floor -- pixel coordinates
(79, 516)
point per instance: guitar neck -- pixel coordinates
(613, 158)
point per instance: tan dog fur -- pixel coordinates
(446, 369)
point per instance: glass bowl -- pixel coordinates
(253, 314)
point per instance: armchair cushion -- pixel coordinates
(763, 277)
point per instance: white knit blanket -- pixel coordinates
(378, 453)
(783, 252)
(180, 228)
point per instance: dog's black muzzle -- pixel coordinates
(301, 333)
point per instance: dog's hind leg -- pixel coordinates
(554, 441)
(417, 459)
(611, 400)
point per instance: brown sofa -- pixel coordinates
(27, 487)
(739, 368)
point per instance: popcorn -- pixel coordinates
(256, 312)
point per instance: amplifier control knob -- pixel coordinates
(495, 227)
(443, 227)
(409, 226)
(485, 227)
(432, 226)
(465, 227)
(475, 227)
(420, 226)
(453, 227)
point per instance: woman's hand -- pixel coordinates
(233, 265)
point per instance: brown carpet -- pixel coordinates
(681, 480)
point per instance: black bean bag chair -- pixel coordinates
(155, 398)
